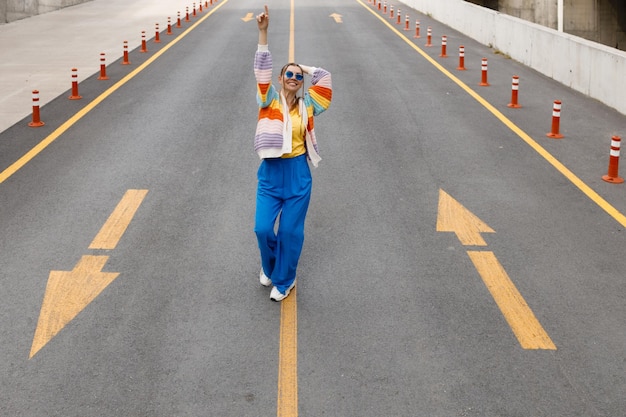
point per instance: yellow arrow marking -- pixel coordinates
(67, 294)
(337, 17)
(520, 317)
(118, 221)
(453, 217)
(248, 17)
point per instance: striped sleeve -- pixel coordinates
(320, 93)
(263, 75)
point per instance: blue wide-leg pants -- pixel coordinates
(284, 188)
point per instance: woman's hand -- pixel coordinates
(263, 20)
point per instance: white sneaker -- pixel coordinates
(276, 295)
(264, 280)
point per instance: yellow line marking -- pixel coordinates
(37, 149)
(112, 231)
(588, 191)
(520, 317)
(288, 358)
(292, 30)
(67, 294)
(287, 401)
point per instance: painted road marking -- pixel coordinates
(337, 18)
(454, 217)
(69, 292)
(288, 358)
(118, 221)
(287, 400)
(520, 317)
(587, 190)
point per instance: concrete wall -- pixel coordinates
(11, 10)
(543, 12)
(591, 68)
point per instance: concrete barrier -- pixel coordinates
(591, 68)
(11, 10)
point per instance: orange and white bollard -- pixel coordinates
(144, 47)
(613, 174)
(75, 95)
(444, 47)
(379, 4)
(169, 26)
(406, 23)
(483, 68)
(157, 34)
(399, 14)
(178, 21)
(429, 37)
(417, 29)
(36, 120)
(385, 7)
(125, 61)
(514, 91)
(103, 67)
(461, 66)
(187, 14)
(194, 10)
(200, 8)
(391, 12)
(556, 121)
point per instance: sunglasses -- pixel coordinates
(291, 74)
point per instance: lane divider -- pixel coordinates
(556, 121)
(103, 67)
(461, 66)
(613, 175)
(514, 93)
(125, 61)
(36, 119)
(75, 95)
(287, 398)
(483, 71)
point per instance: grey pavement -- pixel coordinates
(38, 53)
(393, 319)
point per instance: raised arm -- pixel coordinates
(263, 21)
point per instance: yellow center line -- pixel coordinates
(37, 149)
(588, 191)
(292, 30)
(288, 358)
(287, 402)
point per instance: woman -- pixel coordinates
(285, 141)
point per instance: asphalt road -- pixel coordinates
(395, 314)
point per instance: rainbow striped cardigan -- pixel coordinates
(273, 132)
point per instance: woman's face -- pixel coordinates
(289, 79)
